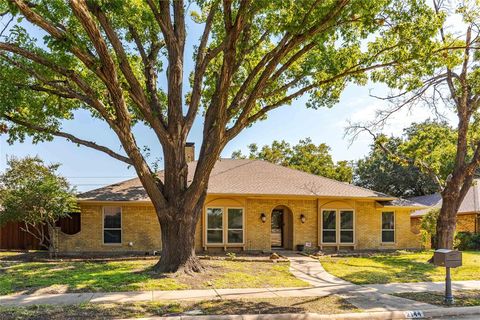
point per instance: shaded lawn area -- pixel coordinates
(466, 298)
(402, 266)
(60, 277)
(325, 305)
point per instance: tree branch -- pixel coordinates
(70, 137)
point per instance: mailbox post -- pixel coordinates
(448, 259)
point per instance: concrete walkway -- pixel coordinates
(368, 297)
(363, 297)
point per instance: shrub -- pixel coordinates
(467, 241)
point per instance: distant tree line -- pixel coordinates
(397, 172)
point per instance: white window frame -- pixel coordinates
(338, 227)
(224, 226)
(227, 229)
(103, 227)
(216, 229)
(394, 228)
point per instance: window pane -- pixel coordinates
(235, 236)
(112, 217)
(346, 219)
(214, 236)
(112, 236)
(329, 236)
(388, 221)
(329, 219)
(388, 236)
(346, 236)
(235, 219)
(214, 218)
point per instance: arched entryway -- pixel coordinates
(281, 236)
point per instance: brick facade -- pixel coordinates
(141, 231)
(466, 222)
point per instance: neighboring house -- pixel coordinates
(251, 205)
(468, 216)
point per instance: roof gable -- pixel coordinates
(245, 177)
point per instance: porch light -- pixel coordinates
(263, 217)
(303, 218)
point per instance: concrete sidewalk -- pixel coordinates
(424, 286)
(142, 296)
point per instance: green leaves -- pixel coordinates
(304, 156)
(391, 175)
(33, 193)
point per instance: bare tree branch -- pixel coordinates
(68, 136)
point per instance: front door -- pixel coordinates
(276, 237)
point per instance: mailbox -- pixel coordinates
(447, 258)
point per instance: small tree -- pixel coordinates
(33, 193)
(305, 156)
(429, 225)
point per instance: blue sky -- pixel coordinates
(89, 169)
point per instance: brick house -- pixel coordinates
(468, 215)
(251, 205)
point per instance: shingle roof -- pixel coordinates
(400, 202)
(469, 204)
(245, 177)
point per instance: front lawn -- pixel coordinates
(324, 305)
(399, 267)
(59, 277)
(467, 298)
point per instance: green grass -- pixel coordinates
(58, 277)
(401, 267)
(324, 305)
(467, 298)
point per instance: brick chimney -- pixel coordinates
(190, 151)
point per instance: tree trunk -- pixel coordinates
(446, 224)
(178, 239)
(51, 241)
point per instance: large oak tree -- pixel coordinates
(124, 62)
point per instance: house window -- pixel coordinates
(112, 225)
(329, 226)
(388, 227)
(235, 225)
(346, 226)
(215, 225)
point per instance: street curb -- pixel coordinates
(377, 315)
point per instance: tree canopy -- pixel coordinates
(33, 193)
(417, 163)
(381, 172)
(305, 156)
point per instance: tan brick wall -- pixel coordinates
(466, 222)
(258, 233)
(369, 232)
(140, 225)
